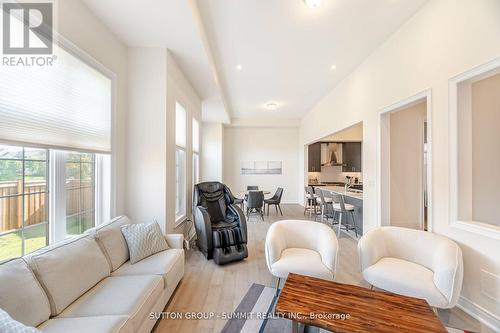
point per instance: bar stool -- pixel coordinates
(326, 204)
(310, 200)
(339, 206)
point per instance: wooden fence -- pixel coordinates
(79, 197)
(11, 206)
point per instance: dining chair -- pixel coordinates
(275, 200)
(339, 206)
(254, 203)
(250, 188)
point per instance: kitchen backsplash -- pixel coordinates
(333, 174)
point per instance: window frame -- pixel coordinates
(181, 216)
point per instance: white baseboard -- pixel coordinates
(480, 313)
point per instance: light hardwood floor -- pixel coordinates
(207, 287)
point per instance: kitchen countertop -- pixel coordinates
(341, 190)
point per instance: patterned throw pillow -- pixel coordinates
(143, 240)
(9, 325)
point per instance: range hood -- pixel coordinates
(332, 154)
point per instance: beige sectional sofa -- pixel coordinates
(86, 284)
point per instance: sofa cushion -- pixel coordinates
(143, 240)
(111, 239)
(161, 264)
(68, 269)
(301, 261)
(9, 325)
(133, 296)
(393, 274)
(100, 324)
(21, 295)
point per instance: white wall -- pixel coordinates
(155, 84)
(262, 144)
(444, 38)
(146, 135)
(212, 143)
(80, 26)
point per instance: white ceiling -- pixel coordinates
(169, 24)
(285, 48)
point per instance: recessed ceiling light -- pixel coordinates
(239, 67)
(312, 3)
(333, 67)
(271, 106)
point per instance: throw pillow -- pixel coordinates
(143, 240)
(9, 325)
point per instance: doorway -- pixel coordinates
(404, 160)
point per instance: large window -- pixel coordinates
(180, 163)
(36, 209)
(62, 190)
(23, 200)
(196, 151)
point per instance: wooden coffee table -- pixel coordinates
(344, 308)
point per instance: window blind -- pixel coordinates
(180, 125)
(66, 105)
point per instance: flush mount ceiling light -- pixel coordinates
(271, 106)
(333, 67)
(312, 3)
(239, 67)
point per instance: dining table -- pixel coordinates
(242, 194)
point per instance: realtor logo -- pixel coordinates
(27, 28)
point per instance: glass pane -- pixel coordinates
(35, 237)
(87, 174)
(11, 246)
(35, 172)
(77, 224)
(11, 152)
(87, 198)
(72, 175)
(196, 167)
(87, 221)
(180, 183)
(11, 176)
(196, 136)
(73, 157)
(35, 209)
(72, 201)
(85, 157)
(35, 154)
(73, 225)
(11, 214)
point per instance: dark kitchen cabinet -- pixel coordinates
(314, 157)
(351, 157)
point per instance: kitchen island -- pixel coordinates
(354, 198)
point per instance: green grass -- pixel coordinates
(11, 244)
(35, 237)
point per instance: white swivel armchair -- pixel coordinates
(301, 247)
(412, 263)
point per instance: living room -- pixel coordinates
(155, 166)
